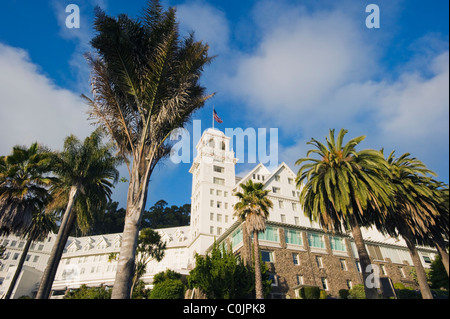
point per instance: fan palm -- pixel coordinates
(41, 225)
(416, 215)
(253, 209)
(24, 182)
(86, 173)
(345, 189)
(145, 83)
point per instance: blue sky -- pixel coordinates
(302, 67)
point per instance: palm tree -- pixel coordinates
(345, 189)
(253, 209)
(41, 225)
(24, 182)
(86, 173)
(416, 216)
(145, 83)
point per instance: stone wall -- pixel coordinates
(338, 269)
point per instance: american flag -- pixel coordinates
(216, 117)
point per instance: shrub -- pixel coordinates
(343, 293)
(168, 289)
(310, 293)
(323, 294)
(357, 292)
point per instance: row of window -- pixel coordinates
(218, 217)
(294, 237)
(72, 273)
(28, 258)
(21, 244)
(218, 204)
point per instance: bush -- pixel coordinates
(343, 293)
(168, 289)
(408, 293)
(309, 292)
(323, 294)
(357, 292)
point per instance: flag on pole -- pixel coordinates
(216, 117)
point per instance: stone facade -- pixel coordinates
(294, 266)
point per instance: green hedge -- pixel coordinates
(168, 289)
(309, 292)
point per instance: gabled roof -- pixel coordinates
(275, 172)
(249, 174)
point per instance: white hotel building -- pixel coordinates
(85, 260)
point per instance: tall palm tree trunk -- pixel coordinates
(247, 246)
(364, 260)
(258, 279)
(444, 254)
(61, 239)
(420, 271)
(19, 268)
(136, 199)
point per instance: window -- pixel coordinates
(211, 203)
(15, 256)
(375, 252)
(290, 181)
(211, 216)
(316, 240)
(300, 279)
(383, 270)
(225, 194)
(293, 237)
(274, 279)
(276, 190)
(324, 283)
(218, 181)
(219, 192)
(211, 230)
(226, 205)
(343, 264)
(283, 218)
(319, 261)
(280, 204)
(337, 243)
(349, 284)
(271, 234)
(267, 256)
(358, 266)
(219, 217)
(402, 272)
(219, 204)
(426, 259)
(35, 259)
(211, 191)
(297, 220)
(218, 169)
(277, 178)
(294, 207)
(219, 231)
(236, 237)
(295, 259)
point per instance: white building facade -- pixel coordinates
(86, 259)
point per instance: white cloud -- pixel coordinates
(209, 24)
(316, 70)
(32, 108)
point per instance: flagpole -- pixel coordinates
(213, 118)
